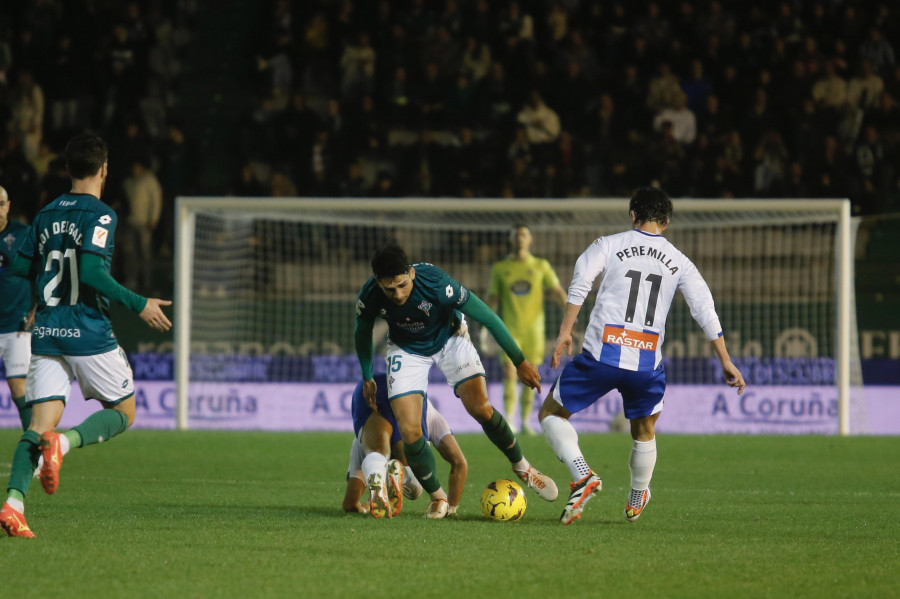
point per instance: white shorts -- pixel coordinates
(408, 373)
(106, 377)
(437, 430)
(15, 349)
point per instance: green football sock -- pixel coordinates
(99, 426)
(421, 461)
(498, 431)
(24, 462)
(24, 411)
(74, 437)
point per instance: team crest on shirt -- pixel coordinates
(425, 307)
(10, 240)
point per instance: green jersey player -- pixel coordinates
(425, 308)
(67, 254)
(15, 314)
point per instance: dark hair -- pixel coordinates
(390, 261)
(85, 155)
(650, 204)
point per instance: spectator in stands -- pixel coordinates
(682, 120)
(696, 87)
(358, 68)
(143, 194)
(27, 108)
(476, 60)
(664, 89)
(444, 52)
(877, 50)
(872, 169)
(570, 95)
(830, 91)
(541, 125)
(864, 91)
(770, 158)
(712, 121)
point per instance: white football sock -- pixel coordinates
(17, 505)
(641, 463)
(410, 481)
(374, 462)
(564, 442)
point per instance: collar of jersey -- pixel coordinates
(646, 233)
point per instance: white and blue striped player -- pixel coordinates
(377, 438)
(641, 271)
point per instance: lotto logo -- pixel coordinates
(626, 338)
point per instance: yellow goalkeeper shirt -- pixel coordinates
(520, 285)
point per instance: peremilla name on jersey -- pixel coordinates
(640, 250)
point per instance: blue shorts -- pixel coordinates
(360, 409)
(585, 380)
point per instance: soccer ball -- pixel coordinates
(503, 500)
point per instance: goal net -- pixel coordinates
(266, 288)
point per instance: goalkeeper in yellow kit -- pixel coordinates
(518, 284)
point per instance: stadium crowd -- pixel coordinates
(471, 98)
(113, 67)
(557, 98)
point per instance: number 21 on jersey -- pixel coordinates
(67, 260)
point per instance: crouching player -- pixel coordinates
(377, 439)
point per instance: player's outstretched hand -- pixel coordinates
(529, 375)
(153, 315)
(370, 391)
(563, 344)
(733, 377)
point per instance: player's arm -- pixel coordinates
(93, 272)
(478, 311)
(588, 267)
(22, 266)
(362, 339)
(459, 468)
(564, 340)
(703, 309)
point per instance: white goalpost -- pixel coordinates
(265, 289)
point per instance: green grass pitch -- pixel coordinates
(217, 514)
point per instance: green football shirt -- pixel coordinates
(15, 292)
(72, 318)
(423, 324)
